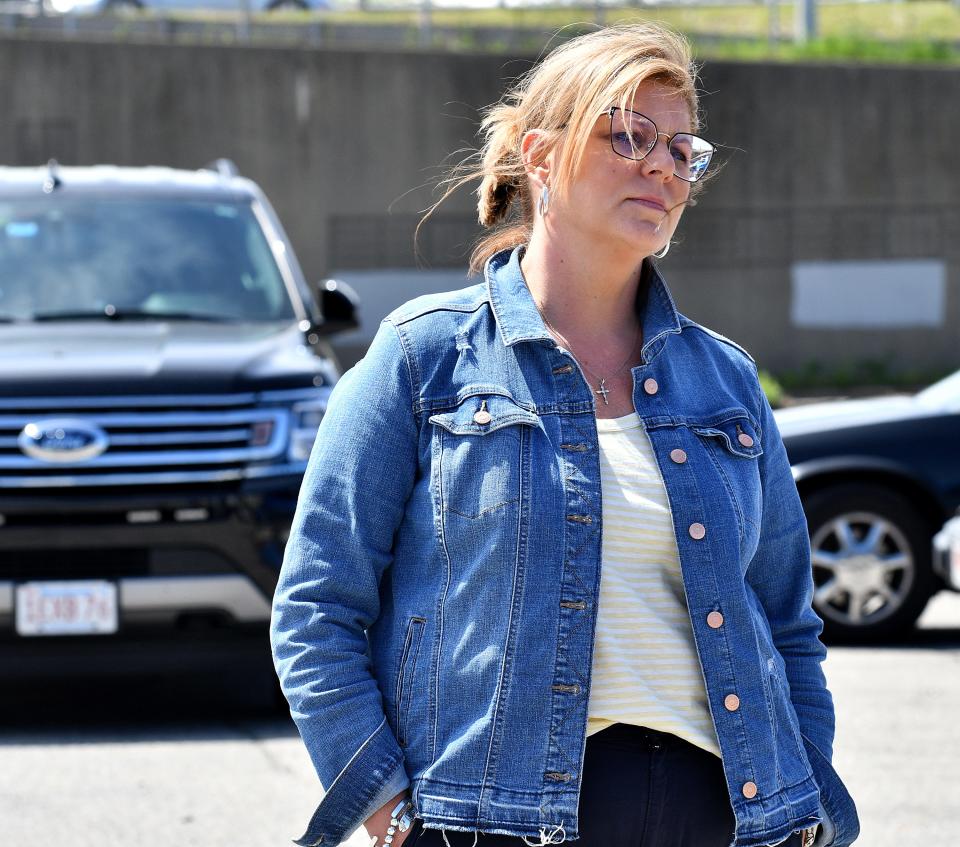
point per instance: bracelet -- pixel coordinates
(808, 836)
(400, 820)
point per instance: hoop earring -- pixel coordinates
(543, 204)
(663, 252)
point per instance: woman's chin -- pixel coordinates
(644, 244)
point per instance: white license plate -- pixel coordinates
(87, 607)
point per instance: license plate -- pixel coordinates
(77, 607)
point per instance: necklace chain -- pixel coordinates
(603, 391)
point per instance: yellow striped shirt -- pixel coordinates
(645, 666)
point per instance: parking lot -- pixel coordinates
(209, 762)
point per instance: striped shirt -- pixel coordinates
(645, 666)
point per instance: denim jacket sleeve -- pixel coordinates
(358, 479)
(780, 574)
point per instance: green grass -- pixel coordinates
(863, 375)
(916, 20)
(772, 388)
(833, 48)
(813, 375)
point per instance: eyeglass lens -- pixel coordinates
(633, 136)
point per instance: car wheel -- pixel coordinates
(871, 557)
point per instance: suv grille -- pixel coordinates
(110, 563)
(150, 440)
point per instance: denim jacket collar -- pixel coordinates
(518, 318)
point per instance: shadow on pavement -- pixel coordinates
(942, 638)
(240, 701)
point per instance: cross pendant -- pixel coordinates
(603, 391)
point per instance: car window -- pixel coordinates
(75, 254)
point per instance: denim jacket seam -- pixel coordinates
(435, 782)
(440, 617)
(398, 316)
(492, 762)
(413, 373)
(692, 324)
(759, 401)
(733, 499)
(365, 743)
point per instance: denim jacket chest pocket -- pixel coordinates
(480, 449)
(733, 442)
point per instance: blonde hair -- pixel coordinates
(562, 97)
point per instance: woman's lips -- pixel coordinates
(649, 203)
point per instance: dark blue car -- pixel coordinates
(878, 478)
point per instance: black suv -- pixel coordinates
(163, 370)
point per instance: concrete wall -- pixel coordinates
(847, 165)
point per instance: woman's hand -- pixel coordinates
(378, 822)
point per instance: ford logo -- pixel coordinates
(62, 440)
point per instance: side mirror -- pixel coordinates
(338, 305)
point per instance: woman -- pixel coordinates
(458, 670)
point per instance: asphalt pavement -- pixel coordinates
(209, 761)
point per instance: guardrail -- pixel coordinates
(324, 23)
(317, 33)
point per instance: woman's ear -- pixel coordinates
(536, 161)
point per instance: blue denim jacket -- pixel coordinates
(434, 621)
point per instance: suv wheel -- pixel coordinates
(871, 561)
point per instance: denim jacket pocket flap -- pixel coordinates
(481, 414)
(737, 433)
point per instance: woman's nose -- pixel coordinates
(659, 160)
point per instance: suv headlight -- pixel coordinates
(305, 420)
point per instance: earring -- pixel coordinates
(543, 204)
(663, 252)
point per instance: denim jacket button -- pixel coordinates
(731, 702)
(749, 790)
(697, 531)
(714, 620)
(745, 440)
(650, 385)
(482, 417)
(678, 455)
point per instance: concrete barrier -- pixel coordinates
(839, 166)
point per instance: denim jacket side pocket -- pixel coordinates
(405, 676)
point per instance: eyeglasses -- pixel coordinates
(634, 136)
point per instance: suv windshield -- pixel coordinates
(173, 257)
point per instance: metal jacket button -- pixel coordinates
(745, 439)
(482, 416)
(749, 790)
(731, 702)
(678, 455)
(714, 620)
(650, 385)
(697, 531)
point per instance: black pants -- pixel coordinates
(641, 788)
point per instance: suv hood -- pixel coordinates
(154, 357)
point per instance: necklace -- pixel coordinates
(602, 390)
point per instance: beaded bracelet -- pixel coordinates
(400, 820)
